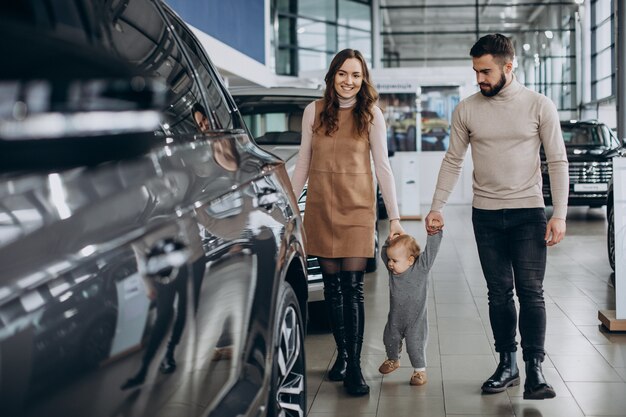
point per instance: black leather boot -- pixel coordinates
(334, 304)
(535, 386)
(168, 365)
(354, 315)
(506, 374)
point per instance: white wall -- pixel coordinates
(429, 163)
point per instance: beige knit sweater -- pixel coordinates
(506, 132)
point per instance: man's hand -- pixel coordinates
(434, 222)
(555, 231)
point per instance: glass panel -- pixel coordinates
(603, 89)
(284, 6)
(444, 35)
(355, 39)
(603, 64)
(316, 35)
(219, 113)
(426, 50)
(272, 129)
(603, 35)
(603, 9)
(356, 15)
(318, 9)
(580, 135)
(285, 30)
(284, 62)
(311, 60)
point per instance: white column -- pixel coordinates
(376, 43)
(619, 210)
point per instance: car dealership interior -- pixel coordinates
(133, 125)
(418, 50)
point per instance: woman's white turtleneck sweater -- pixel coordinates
(378, 146)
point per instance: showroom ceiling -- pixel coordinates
(419, 33)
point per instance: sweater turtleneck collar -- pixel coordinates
(509, 91)
(345, 103)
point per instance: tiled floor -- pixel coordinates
(585, 364)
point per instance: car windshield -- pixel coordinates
(581, 135)
(274, 119)
(274, 128)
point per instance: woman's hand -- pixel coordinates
(395, 229)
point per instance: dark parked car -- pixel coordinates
(274, 117)
(122, 212)
(610, 216)
(590, 145)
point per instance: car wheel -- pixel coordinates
(288, 384)
(610, 236)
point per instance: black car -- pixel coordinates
(151, 254)
(590, 145)
(274, 117)
(610, 217)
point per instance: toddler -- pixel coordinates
(408, 290)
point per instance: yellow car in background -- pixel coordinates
(434, 130)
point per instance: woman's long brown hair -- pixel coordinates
(365, 99)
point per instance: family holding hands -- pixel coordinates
(506, 124)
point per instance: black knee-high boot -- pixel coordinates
(354, 319)
(334, 304)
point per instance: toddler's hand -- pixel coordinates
(434, 227)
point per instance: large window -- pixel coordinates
(441, 34)
(308, 33)
(602, 49)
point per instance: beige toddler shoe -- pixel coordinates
(389, 366)
(419, 378)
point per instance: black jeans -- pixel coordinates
(513, 253)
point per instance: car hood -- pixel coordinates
(435, 123)
(288, 153)
(587, 153)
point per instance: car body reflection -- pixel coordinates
(122, 244)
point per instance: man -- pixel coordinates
(506, 124)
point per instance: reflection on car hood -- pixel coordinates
(287, 153)
(583, 153)
(589, 154)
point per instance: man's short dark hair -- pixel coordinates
(494, 44)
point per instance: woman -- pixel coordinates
(338, 133)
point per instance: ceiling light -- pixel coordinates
(526, 47)
(549, 34)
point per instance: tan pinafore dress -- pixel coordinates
(340, 214)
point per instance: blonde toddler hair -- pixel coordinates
(408, 242)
